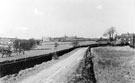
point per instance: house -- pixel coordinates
(6, 41)
(128, 38)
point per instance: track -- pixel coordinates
(56, 73)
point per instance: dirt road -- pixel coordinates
(58, 72)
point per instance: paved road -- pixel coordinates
(56, 73)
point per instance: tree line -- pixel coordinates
(25, 44)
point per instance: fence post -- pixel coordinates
(133, 41)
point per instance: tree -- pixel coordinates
(75, 43)
(24, 44)
(16, 44)
(55, 56)
(110, 33)
(32, 42)
(56, 45)
(38, 42)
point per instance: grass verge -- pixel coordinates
(114, 64)
(84, 73)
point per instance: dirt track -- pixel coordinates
(58, 72)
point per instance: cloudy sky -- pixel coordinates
(86, 18)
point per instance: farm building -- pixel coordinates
(128, 38)
(46, 39)
(6, 41)
(63, 39)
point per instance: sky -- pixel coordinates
(55, 18)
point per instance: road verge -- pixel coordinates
(85, 71)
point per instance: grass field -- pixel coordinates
(86, 42)
(45, 48)
(114, 64)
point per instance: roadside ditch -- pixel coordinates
(85, 71)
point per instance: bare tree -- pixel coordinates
(110, 33)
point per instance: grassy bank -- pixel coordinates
(114, 64)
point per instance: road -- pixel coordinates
(57, 73)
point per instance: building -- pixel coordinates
(7, 41)
(128, 38)
(68, 39)
(46, 39)
(63, 39)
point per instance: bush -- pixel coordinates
(75, 43)
(55, 56)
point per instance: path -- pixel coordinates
(56, 73)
